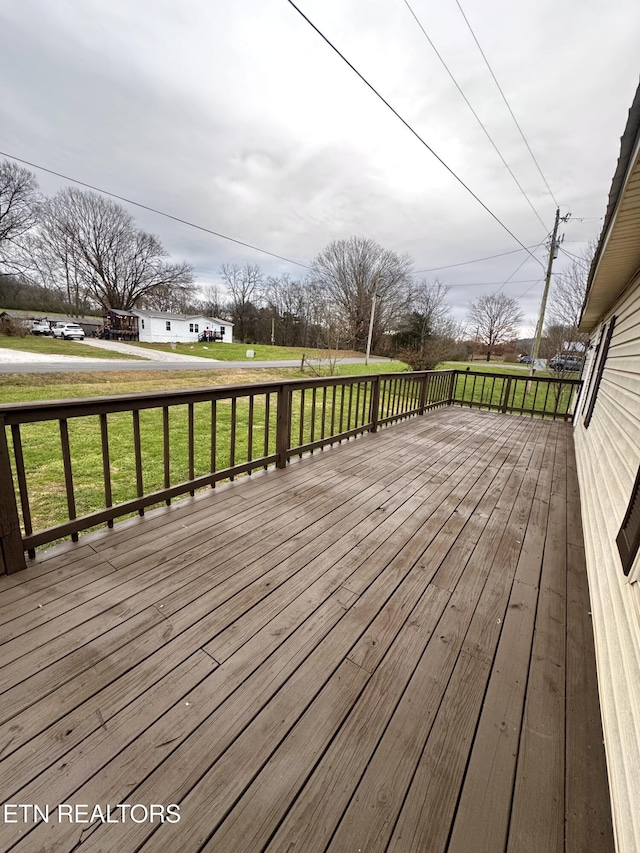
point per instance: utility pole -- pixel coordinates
(553, 251)
(373, 311)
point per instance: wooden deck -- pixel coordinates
(386, 646)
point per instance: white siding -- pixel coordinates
(154, 329)
(608, 455)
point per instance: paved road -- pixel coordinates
(197, 364)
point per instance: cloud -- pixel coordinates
(239, 118)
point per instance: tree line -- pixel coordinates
(77, 252)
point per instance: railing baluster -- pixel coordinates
(312, 435)
(546, 397)
(106, 464)
(357, 412)
(68, 472)
(341, 421)
(214, 438)
(557, 395)
(166, 450)
(374, 403)
(333, 410)
(267, 425)
(324, 412)
(22, 483)
(191, 439)
(301, 425)
(350, 405)
(137, 452)
(250, 431)
(232, 437)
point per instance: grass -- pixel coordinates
(29, 387)
(491, 367)
(238, 352)
(524, 395)
(45, 345)
(41, 441)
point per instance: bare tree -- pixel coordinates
(93, 245)
(495, 319)
(212, 303)
(428, 334)
(350, 271)
(164, 297)
(245, 290)
(19, 199)
(288, 299)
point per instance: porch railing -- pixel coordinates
(70, 465)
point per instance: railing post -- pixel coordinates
(452, 388)
(505, 400)
(375, 403)
(424, 392)
(11, 550)
(283, 425)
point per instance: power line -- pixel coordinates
(523, 263)
(476, 261)
(153, 210)
(478, 119)
(524, 292)
(409, 127)
(504, 98)
(575, 258)
(494, 283)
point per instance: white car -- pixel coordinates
(68, 331)
(40, 327)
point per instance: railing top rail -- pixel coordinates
(523, 377)
(43, 410)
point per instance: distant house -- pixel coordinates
(607, 441)
(151, 326)
(160, 327)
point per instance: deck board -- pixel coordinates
(370, 649)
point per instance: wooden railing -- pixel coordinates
(545, 397)
(70, 465)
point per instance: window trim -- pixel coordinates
(596, 376)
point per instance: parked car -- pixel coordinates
(68, 331)
(566, 364)
(525, 359)
(41, 327)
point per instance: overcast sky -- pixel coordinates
(238, 117)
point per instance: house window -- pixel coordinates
(142, 321)
(197, 328)
(598, 370)
(628, 539)
(191, 327)
(168, 325)
(222, 331)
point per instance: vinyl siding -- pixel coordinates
(608, 455)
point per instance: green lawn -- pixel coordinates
(238, 352)
(490, 367)
(52, 346)
(524, 394)
(41, 441)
